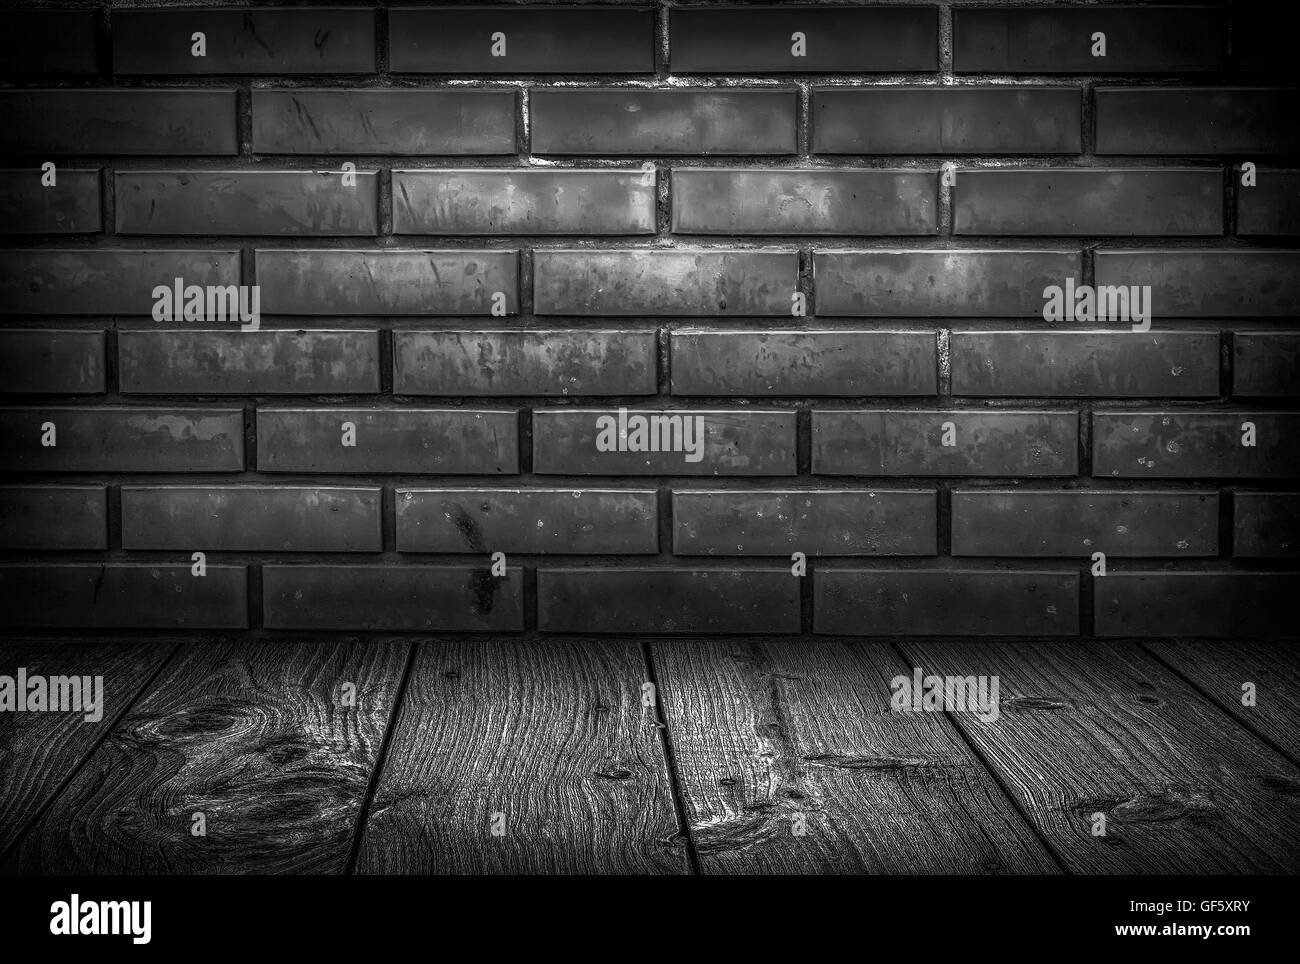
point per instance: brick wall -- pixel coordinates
(620, 213)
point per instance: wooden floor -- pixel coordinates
(393, 756)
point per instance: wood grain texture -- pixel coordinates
(1104, 728)
(1218, 668)
(257, 737)
(553, 736)
(39, 751)
(764, 730)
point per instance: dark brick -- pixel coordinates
(427, 599)
(882, 602)
(1197, 120)
(735, 443)
(49, 42)
(245, 202)
(947, 120)
(301, 40)
(896, 443)
(544, 521)
(117, 439)
(1189, 445)
(1214, 604)
(759, 39)
(51, 362)
(124, 597)
(1043, 40)
(813, 201)
(370, 282)
(664, 282)
(1079, 523)
(251, 517)
(384, 121)
(939, 283)
(262, 362)
(778, 522)
(1266, 363)
(103, 281)
(1081, 364)
(1091, 201)
(628, 120)
(126, 121)
(801, 363)
(1266, 525)
(539, 40)
(544, 363)
(667, 601)
(407, 440)
(1208, 283)
(69, 206)
(497, 202)
(1271, 206)
(53, 517)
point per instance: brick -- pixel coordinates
(245, 202)
(368, 282)
(778, 522)
(251, 517)
(1208, 283)
(61, 517)
(1043, 40)
(802, 363)
(383, 121)
(147, 596)
(664, 282)
(1266, 525)
(1197, 120)
(103, 281)
(119, 439)
(49, 42)
(882, 602)
(1271, 207)
(628, 120)
(70, 205)
(1213, 604)
(814, 201)
(232, 362)
(1076, 524)
(947, 120)
(301, 40)
(1082, 364)
(408, 440)
(988, 443)
(543, 363)
(667, 601)
(126, 121)
(549, 40)
(51, 362)
(734, 443)
(437, 599)
(939, 283)
(1266, 363)
(1187, 445)
(1091, 201)
(758, 39)
(497, 202)
(543, 521)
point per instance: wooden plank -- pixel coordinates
(255, 736)
(1219, 668)
(1104, 728)
(40, 751)
(763, 731)
(553, 736)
